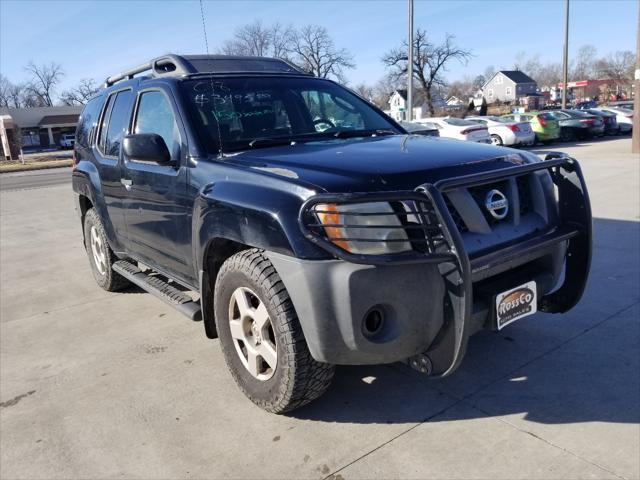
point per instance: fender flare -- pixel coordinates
(85, 180)
(245, 214)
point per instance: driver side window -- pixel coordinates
(329, 111)
(156, 116)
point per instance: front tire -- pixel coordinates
(261, 338)
(101, 257)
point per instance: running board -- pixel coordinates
(159, 288)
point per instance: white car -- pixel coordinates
(506, 132)
(624, 117)
(67, 140)
(450, 127)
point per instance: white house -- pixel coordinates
(398, 105)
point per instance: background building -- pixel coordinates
(508, 86)
(35, 128)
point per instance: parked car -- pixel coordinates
(460, 129)
(67, 140)
(427, 129)
(608, 119)
(505, 132)
(301, 247)
(628, 104)
(544, 124)
(586, 105)
(578, 124)
(624, 117)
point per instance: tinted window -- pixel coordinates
(118, 121)
(105, 121)
(87, 122)
(238, 111)
(156, 116)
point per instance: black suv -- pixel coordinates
(306, 229)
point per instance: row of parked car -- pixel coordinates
(522, 129)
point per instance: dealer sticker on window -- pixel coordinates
(515, 304)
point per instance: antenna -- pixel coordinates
(213, 93)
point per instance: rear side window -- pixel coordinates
(156, 116)
(115, 122)
(87, 122)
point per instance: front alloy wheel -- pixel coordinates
(252, 333)
(261, 337)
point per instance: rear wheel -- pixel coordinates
(261, 337)
(101, 257)
(496, 140)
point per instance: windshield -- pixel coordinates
(243, 113)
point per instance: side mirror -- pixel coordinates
(146, 147)
(553, 155)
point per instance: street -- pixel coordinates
(104, 385)
(35, 179)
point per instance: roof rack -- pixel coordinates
(172, 65)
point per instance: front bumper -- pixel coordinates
(433, 302)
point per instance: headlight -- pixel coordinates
(363, 228)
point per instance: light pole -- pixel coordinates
(410, 65)
(635, 141)
(565, 58)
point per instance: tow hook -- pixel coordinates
(421, 363)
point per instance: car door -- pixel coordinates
(158, 212)
(113, 123)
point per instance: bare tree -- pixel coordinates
(617, 66)
(44, 79)
(253, 39)
(81, 93)
(464, 88)
(364, 90)
(5, 86)
(312, 49)
(583, 65)
(429, 63)
(15, 95)
(489, 72)
(258, 40)
(280, 38)
(549, 75)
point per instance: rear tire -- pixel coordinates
(101, 257)
(496, 140)
(261, 338)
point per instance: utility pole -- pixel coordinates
(410, 65)
(635, 141)
(565, 57)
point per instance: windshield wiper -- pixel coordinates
(363, 133)
(270, 141)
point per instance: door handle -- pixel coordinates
(126, 182)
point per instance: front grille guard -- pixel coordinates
(447, 349)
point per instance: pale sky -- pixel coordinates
(95, 39)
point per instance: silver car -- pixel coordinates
(506, 132)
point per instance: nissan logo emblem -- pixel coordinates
(497, 204)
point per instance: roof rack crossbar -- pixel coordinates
(167, 64)
(185, 65)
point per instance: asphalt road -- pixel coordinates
(35, 179)
(106, 385)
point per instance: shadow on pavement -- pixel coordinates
(551, 369)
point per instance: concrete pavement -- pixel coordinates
(100, 385)
(35, 178)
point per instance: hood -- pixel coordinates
(399, 162)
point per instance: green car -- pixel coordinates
(543, 124)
